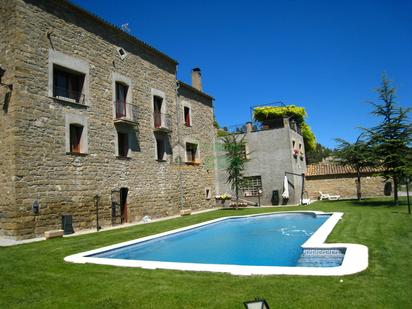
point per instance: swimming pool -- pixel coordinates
(276, 243)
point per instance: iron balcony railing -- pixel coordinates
(162, 121)
(69, 95)
(125, 112)
(269, 124)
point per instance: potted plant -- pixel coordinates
(295, 153)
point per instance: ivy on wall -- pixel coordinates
(297, 113)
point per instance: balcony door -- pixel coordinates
(121, 94)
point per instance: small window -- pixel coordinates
(188, 121)
(68, 85)
(123, 144)
(293, 144)
(122, 53)
(251, 185)
(208, 193)
(243, 152)
(76, 132)
(160, 149)
(121, 94)
(191, 153)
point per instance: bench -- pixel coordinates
(53, 234)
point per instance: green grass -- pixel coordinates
(35, 275)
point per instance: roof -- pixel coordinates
(197, 91)
(124, 34)
(323, 169)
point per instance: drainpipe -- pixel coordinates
(179, 167)
(96, 203)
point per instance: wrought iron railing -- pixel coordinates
(125, 111)
(68, 95)
(162, 121)
(255, 126)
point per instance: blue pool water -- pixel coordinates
(269, 240)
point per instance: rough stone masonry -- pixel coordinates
(38, 41)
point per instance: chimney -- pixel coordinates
(197, 79)
(249, 127)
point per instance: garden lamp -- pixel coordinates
(256, 304)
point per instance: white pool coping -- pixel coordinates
(354, 261)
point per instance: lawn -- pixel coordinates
(35, 275)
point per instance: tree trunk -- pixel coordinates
(395, 191)
(358, 186)
(237, 190)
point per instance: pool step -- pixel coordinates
(321, 257)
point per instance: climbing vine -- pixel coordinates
(297, 113)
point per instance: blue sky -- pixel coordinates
(327, 56)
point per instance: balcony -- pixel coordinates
(125, 113)
(162, 122)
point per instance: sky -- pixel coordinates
(326, 56)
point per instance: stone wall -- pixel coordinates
(9, 36)
(67, 183)
(197, 178)
(344, 185)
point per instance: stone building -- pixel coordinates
(274, 149)
(334, 179)
(95, 117)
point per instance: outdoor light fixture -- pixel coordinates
(35, 207)
(2, 71)
(259, 195)
(256, 304)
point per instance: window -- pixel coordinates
(68, 84)
(157, 108)
(160, 149)
(251, 185)
(76, 132)
(75, 129)
(121, 94)
(122, 144)
(191, 153)
(122, 53)
(243, 152)
(208, 193)
(186, 111)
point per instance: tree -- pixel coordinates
(235, 147)
(318, 154)
(357, 155)
(391, 137)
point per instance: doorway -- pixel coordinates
(123, 205)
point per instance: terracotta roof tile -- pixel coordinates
(334, 169)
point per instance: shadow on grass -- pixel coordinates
(378, 203)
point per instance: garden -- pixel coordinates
(34, 275)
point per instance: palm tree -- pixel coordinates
(235, 147)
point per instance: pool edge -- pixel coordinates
(355, 260)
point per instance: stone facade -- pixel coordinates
(337, 180)
(271, 155)
(35, 164)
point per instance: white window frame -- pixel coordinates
(70, 63)
(74, 119)
(120, 55)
